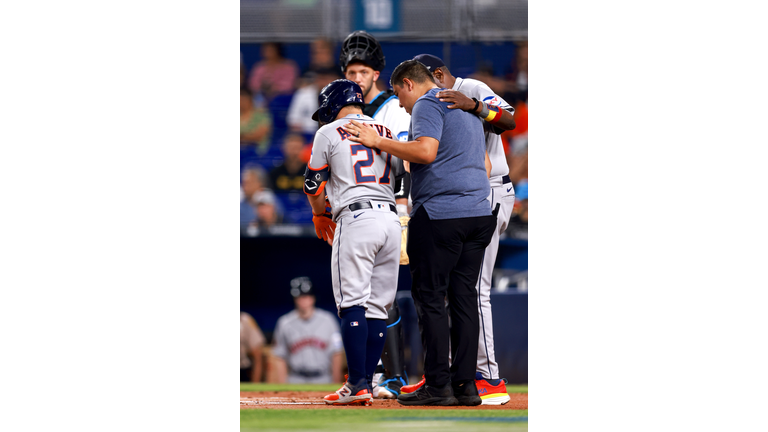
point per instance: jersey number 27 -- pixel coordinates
(364, 163)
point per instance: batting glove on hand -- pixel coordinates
(325, 227)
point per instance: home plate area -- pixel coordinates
(314, 400)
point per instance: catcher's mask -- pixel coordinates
(336, 96)
(301, 286)
(361, 46)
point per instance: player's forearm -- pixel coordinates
(502, 119)
(317, 202)
(423, 150)
(506, 122)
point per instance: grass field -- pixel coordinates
(423, 420)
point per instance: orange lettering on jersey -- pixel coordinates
(389, 134)
(380, 129)
(344, 134)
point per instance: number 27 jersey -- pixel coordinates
(353, 171)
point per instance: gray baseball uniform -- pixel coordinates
(502, 193)
(308, 345)
(360, 187)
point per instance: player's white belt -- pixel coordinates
(367, 205)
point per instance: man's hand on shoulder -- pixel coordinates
(364, 135)
(458, 99)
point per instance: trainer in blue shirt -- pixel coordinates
(450, 227)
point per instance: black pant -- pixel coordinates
(445, 258)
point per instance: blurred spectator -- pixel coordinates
(519, 175)
(255, 123)
(322, 57)
(251, 341)
(274, 74)
(307, 341)
(485, 74)
(267, 212)
(518, 166)
(242, 74)
(517, 139)
(253, 181)
(289, 176)
(516, 142)
(304, 102)
(517, 76)
(519, 220)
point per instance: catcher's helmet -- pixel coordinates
(336, 96)
(363, 47)
(301, 286)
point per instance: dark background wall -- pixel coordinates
(267, 265)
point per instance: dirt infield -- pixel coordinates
(314, 400)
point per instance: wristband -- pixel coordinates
(477, 103)
(483, 112)
(493, 114)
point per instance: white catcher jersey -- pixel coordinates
(473, 88)
(353, 172)
(391, 115)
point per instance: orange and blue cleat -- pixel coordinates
(350, 395)
(492, 392)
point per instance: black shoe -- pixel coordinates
(466, 394)
(428, 395)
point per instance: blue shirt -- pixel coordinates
(455, 184)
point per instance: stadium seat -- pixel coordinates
(296, 208)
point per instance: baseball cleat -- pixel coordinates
(493, 392)
(426, 395)
(389, 389)
(383, 393)
(466, 393)
(350, 395)
(413, 387)
(375, 383)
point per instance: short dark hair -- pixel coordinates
(411, 69)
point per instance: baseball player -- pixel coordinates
(476, 97)
(362, 61)
(360, 218)
(307, 341)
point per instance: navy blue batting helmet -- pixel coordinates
(336, 96)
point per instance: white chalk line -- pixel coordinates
(279, 401)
